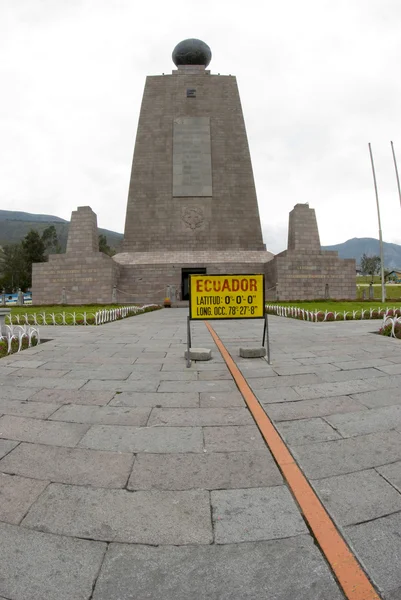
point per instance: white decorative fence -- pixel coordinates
(395, 323)
(79, 318)
(19, 333)
(316, 316)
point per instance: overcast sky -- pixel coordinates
(318, 79)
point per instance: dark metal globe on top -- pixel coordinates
(192, 52)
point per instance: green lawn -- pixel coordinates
(61, 310)
(392, 291)
(340, 306)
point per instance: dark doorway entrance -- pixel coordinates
(185, 279)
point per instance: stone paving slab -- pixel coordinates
(209, 471)
(39, 566)
(17, 494)
(214, 375)
(266, 383)
(379, 398)
(76, 466)
(132, 385)
(303, 409)
(106, 373)
(143, 439)
(221, 399)
(368, 421)
(6, 446)
(197, 386)
(108, 415)
(361, 364)
(255, 514)
(281, 394)
(243, 438)
(72, 397)
(49, 383)
(300, 369)
(391, 369)
(156, 399)
(392, 473)
(49, 373)
(41, 432)
(326, 459)
(333, 376)
(341, 388)
(10, 392)
(155, 517)
(19, 408)
(358, 497)
(306, 431)
(165, 375)
(231, 572)
(380, 558)
(199, 417)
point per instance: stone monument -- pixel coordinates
(82, 275)
(192, 205)
(306, 272)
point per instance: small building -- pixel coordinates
(394, 276)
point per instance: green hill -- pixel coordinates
(355, 247)
(14, 226)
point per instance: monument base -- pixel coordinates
(152, 276)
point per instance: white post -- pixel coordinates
(380, 229)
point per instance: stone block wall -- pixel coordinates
(82, 231)
(305, 277)
(303, 232)
(87, 279)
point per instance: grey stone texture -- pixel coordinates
(40, 566)
(305, 271)
(76, 466)
(107, 415)
(143, 439)
(306, 431)
(155, 517)
(230, 572)
(16, 496)
(6, 446)
(41, 432)
(378, 544)
(325, 459)
(209, 471)
(252, 515)
(199, 417)
(358, 497)
(199, 354)
(255, 352)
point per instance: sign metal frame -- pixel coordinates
(265, 338)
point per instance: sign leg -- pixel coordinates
(266, 329)
(188, 342)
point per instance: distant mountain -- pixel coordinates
(16, 215)
(356, 247)
(14, 226)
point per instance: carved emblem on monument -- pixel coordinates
(193, 217)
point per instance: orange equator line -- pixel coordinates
(350, 575)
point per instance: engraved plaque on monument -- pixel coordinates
(192, 159)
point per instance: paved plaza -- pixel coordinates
(125, 475)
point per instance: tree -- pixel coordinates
(14, 269)
(370, 265)
(50, 240)
(104, 247)
(34, 251)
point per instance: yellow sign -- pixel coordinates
(227, 296)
